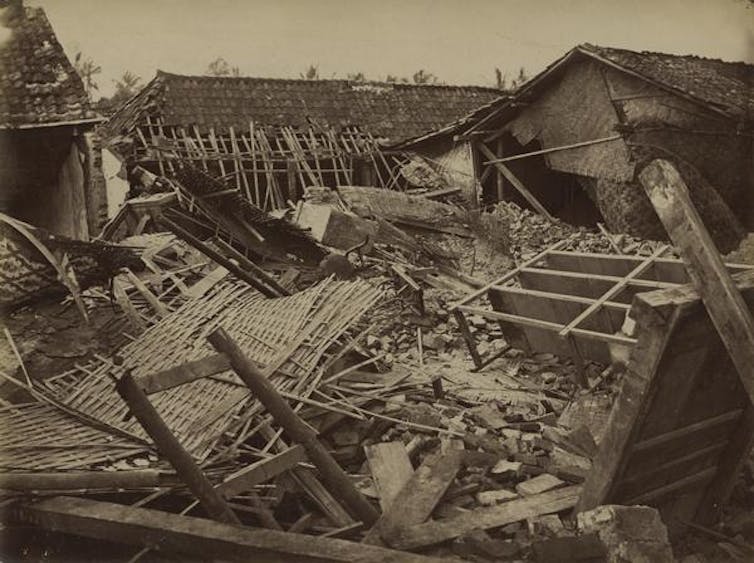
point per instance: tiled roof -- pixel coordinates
(726, 85)
(388, 111)
(38, 84)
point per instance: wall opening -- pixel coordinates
(560, 193)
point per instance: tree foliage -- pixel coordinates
(221, 67)
(87, 69)
(311, 73)
(423, 77)
(502, 82)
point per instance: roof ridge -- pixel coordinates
(325, 80)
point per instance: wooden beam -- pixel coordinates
(508, 512)
(554, 149)
(729, 313)
(185, 373)
(208, 251)
(505, 171)
(196, 537)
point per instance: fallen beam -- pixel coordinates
(195, 537)
(483, 518)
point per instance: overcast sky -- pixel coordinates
(460, 41)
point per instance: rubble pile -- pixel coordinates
(390, 436)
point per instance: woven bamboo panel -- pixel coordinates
(288, 335)
(40, 437)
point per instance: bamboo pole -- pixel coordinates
(333, 476)
(171, 448)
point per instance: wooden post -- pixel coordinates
(727, 309)
(500, 181)
(171, 448)
(468, 337)
(332, 475)
(505, 171)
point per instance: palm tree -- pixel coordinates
(86, 69)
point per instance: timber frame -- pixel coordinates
(570, 303)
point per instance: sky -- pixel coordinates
(459, 41)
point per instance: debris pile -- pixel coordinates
(239, 386)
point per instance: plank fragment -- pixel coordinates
(419, 496)
(391, 469)
(483, 518)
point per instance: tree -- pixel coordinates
(311, 73)
(501, 80)
(86, 69)
(520, 80)
(356, 77)
(220, 67)
(423, 77)
(125, 88)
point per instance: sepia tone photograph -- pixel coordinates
(399, 281)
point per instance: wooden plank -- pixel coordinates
(391, 469)
(206, 283)
(505, 171)
(419, 496)
(670, 198)
(195, 537)
(483, 518)
(185, 373)
(261, 471)
(536, 323)
(121, 298)
(686, 430)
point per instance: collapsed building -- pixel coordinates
(50, 171)
(570, 141)
(270, 138)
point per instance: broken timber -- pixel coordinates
(196, 537)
